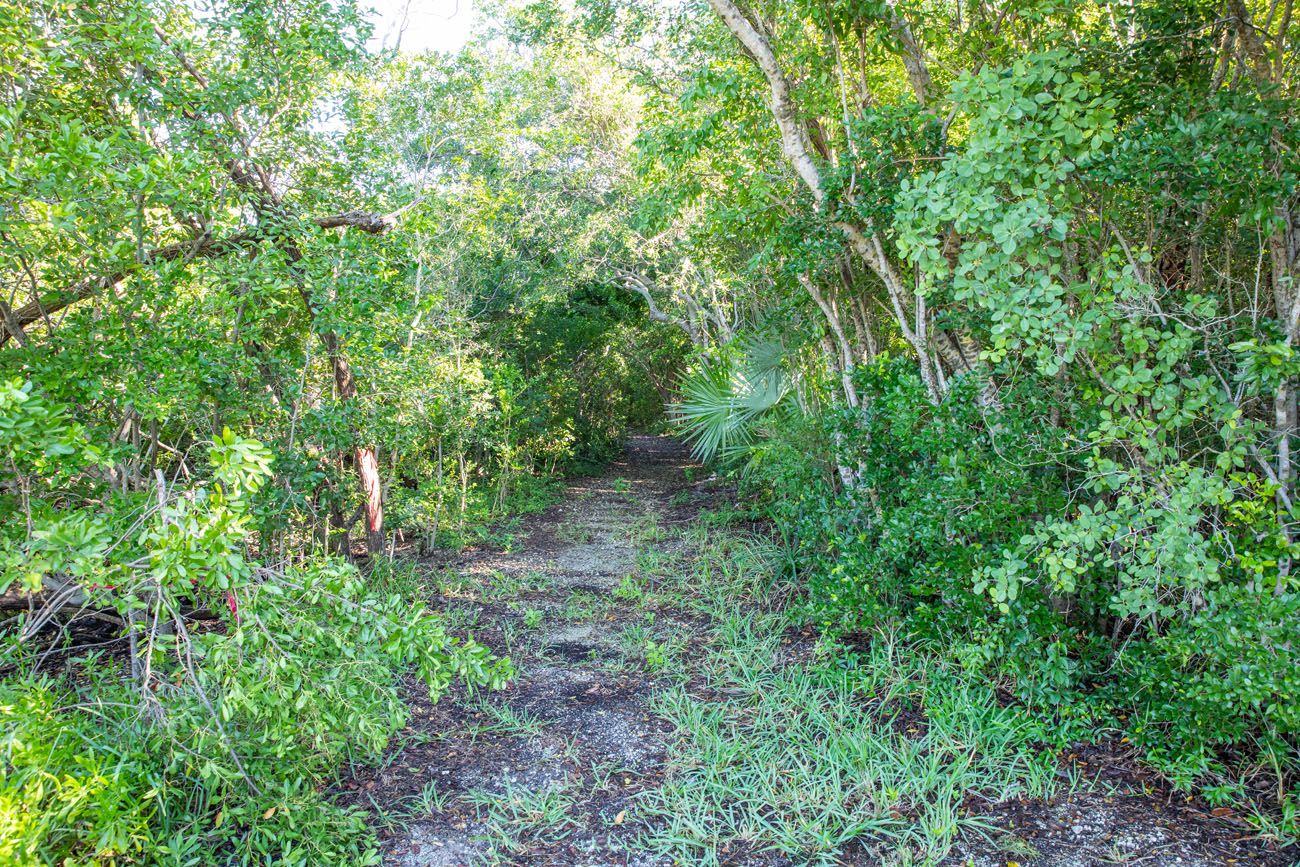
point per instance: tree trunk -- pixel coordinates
(368, 473)
(864, 239)
(845, 363)
(365, 459)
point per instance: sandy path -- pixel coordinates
(547, 772)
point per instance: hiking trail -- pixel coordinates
(549, 771)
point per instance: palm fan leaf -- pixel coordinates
(723, 403)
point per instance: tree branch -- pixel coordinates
(795, 143)
(201, 247)
(641, 286)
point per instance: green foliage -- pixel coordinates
(221, 738)
(724, 400)
(802, 760)
(232, 218)
(932, 504)
(1217, 681)
(248, 723)
(70, 788)
(997, 317)
(1042, 385)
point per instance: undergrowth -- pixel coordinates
(201, 721)
(223, 760)
(1110, 622)
(807, 751)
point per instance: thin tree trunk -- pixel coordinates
(365, 458)
(464, 488)
(437, 509)
(796, 147)
(846, 362)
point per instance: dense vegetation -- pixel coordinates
(991, 307)
(262, 289)
(1005, 341)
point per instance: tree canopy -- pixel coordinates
(991, 307)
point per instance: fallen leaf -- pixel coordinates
(622, 814)
(268, 814)
(1221, 812)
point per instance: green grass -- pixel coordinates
(503, 535)
(645, 529)
(800, 754)
(805, 759)
(511, 585)
(430, 800)
(653, 561)
(456, 584)
(652, 650)
(513, 818)
(459, 617)
(728, 571)
(399, 576)
(496, 586)
(506, 720)
(582, 605)
(574, 533)
(630, 589)
(804, 756)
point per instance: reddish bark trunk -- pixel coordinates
(365, 459)
(372, 490)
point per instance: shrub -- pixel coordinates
(960, 530)
(209, 738)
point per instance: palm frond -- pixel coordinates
(711, 413)
(722, 404)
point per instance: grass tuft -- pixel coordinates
(805, 756)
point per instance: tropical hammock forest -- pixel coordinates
(635, 433)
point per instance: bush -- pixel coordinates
(940, 492)
(1225, 678)
(960, 530)
(73, 788)
(208, 740)
(239, 728)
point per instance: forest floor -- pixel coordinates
(666, 713)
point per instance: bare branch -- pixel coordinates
(641, 286)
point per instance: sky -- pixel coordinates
(422, 25)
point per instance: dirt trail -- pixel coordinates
(547, 772)
(576, 721)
